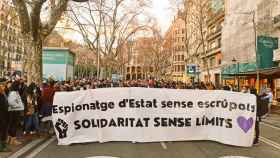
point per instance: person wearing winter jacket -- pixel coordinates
(4, 117)
(14, 116)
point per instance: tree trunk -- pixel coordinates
(34, 65)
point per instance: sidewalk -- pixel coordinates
(25, 140)
(274, 118)
(276, 109)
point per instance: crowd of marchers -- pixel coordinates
(25, 110)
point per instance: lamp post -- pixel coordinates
(253, 14)
(236, 72)
(198, 73)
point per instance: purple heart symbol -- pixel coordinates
(245, 124)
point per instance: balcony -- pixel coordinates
(214, 17)
(216, 33)
(212, 51)
(276, 21)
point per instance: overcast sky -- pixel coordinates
(161, 9)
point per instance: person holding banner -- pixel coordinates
(47, 94)
(258, 117)
(262, 109)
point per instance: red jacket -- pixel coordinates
(47, 95)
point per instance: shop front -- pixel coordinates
(237, 75)
(268, 78)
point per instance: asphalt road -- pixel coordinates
(268, 148)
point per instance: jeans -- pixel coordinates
(32, 123)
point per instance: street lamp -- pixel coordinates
(253, 14)
(198, 73)
(236, 72)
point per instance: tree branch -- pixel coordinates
(35, 18)
(55, 15)
(23, 15)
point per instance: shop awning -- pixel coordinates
(264, 73)
(273, 73)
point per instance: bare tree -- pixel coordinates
(37, 19)
(202, 14)
(154, 59)
(160, 59)
(195, 18)
(108, 27)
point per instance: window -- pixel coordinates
(219, 42)
(213, 45)
(212, 30)
(183, 68)
(212, 62)
(183, 58)
(219, 61)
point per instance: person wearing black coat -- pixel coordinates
(4, 117)
(262, 109)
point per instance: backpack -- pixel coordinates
(15, 102)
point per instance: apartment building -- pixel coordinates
(140, 62)
(213, 57)
(12, 47)
(195, 17)
(177, 32)
(249, 39)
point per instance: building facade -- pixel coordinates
(139, 66)
(195, 16)
(250, 37)
(268, 10)
(12, 49)
(213, 57)
(176, 36)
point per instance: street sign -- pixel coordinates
(116, 77)
(266, 45)
(191, 68)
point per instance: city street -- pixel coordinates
(269, 147)
(98, 78)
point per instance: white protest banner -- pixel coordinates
(154, 115)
